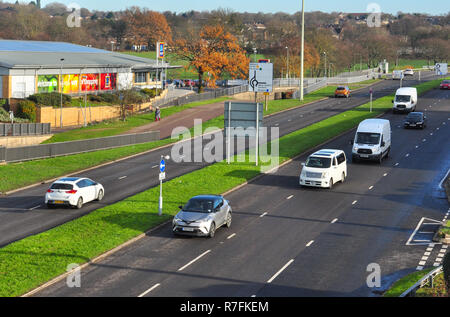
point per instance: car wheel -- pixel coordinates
(100, 195)
(343, 177)
(212, 230)
(229, 219)
(79, 203)
(331, 183)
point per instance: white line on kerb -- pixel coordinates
(196, 259)
(149, 290)
(310, 243)
(279, 272)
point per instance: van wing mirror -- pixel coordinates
(383, 143)
(303, 164)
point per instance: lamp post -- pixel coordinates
(302, 57)
(324, 53)
(287, 62)
(61, 93)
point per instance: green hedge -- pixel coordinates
(446, 268)
(27, 110)
(52, 99)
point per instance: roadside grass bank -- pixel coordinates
(403, 284)
(30, 262)
(439, 288)
(18, 175)
(117, 126)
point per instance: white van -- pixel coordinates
(398, 74)
(372, 140)
(324, 168)
(405, 99)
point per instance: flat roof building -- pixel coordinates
(29, 67)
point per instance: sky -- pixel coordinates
(435, 7)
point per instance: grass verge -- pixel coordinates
(403, 284)
(34, 260)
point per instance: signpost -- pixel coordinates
(261, 79)
(441, 69)
(11, 116)
(371, 98)
(162, 176)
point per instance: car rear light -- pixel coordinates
(49, 191)
(73, 191)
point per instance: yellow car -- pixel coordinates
(342, 91)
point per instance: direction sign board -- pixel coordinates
(441, 69)
(162, 176)
(260, 77)
(160, 46)
(241, 116)
(162, 166)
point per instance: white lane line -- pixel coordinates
(233, 235)
(407, 155)
(155, 166)
(310, 243)
(149, 290)
(290, 197)
(431, 133)
(424, 140)
(280, 271)
(397, 164)
(371, 187)
(334, 220)
(385, 174)
(35, 207)
(253, 296)
(354, 203)
(194, 260)
(263, 215)
(417, 146)
(122, 177)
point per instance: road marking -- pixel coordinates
(194, 260)
(424, 140)
(371, 187)
(353, 203)
(35, 207)
(280, 271)
(417, 146)
(334, 220)
(122, 177)
(233, 235)
(290, 197)
(310, 243)
(397, 164)
(149, 290)
(253, 296)
(431, 133)
(263, 215)
(385, 174)
(155, 166)
(407, 155)
(419, 268)
(422, 263)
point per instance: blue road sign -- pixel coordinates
(162, 166)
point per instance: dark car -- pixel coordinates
(415, 120)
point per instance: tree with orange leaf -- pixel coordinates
(214, 52)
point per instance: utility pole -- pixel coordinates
(302, 57)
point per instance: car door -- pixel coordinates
(91, 190)
(335, 170)
(221, 211)
(82, 190)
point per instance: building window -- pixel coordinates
(140, 78)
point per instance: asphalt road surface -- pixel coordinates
(24, 213)
(291, 241)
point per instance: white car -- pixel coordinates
(73, 192)
(408, 72)
(324, 168)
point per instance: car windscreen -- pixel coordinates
(414, 117)
(62, 186)
(401, 98)
(368, 138)
(340, 88)
(199, 205)
(446, 82)
(318, 162)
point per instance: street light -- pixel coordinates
(61, 93)
(302, 57)
(287, 62)
(324, 53)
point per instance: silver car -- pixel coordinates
(202, 216)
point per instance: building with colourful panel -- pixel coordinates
(29, 67)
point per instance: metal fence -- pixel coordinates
(427, 279)
(19, 129)
(178, 101)
(41, 151)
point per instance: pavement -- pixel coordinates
(291, 241)
(23, 213)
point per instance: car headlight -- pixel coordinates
(325, 175)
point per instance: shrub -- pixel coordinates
(52, 99)
(446, 268)
(149, 92)
(95, 98)
(110, 98)
(27, 110)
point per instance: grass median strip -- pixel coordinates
(34, 260)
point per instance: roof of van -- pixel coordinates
(327, 152)
(406, 90)
(372, 125)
